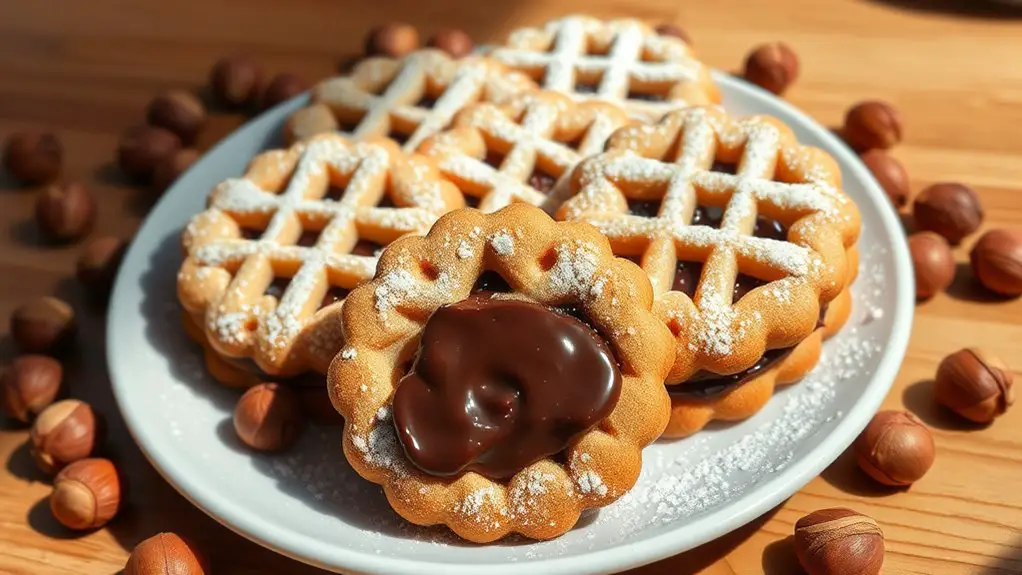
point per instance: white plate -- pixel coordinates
(310, 505)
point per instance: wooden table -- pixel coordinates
(87, 69)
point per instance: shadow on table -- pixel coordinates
(844, 474)
(919, 399)
(966, 287)
(981, 9)
(1009, 563)
(706, 555)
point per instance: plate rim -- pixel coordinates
(737, 512)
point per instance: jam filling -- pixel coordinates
(498, 385)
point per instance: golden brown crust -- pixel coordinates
(799, 186)
(385, 96)
(223, 281)
(624, 62)
(544, 261)
(541, 131)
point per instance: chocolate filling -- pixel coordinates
(541, 182)
(644, 208)
(646, 97)
(497, 385)
(366, 248)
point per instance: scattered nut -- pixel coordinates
(64, 432)
(975, 385)
(237, 80)
(997, 261)
(933, 263)
(268, 417)
(179, 112)
(455, 42)
(282, 88)
(895, 448)
(674, 31)
(773, 67)
(170, 168)
(309, 121)
(86, 494)
(872, 124)
(32, 157)
(891, 175)
(98, 263)
(65, 212)
(395, 39)
(952, 210)
(142, 147)
(30, 384)
(165, 554)
(43, 325)
(839, 541)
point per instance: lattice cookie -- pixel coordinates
(621, 61)
(563, 268)
(407, 100)
(523, 151)
(742, 231)
(278, 249)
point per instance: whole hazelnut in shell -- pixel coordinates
(282, 88)
(974, 384)
(165, 554)
(43, 325)
(64, 432)
(773, 67)
(872, 124)
(86, 494)
(178, 111)
(30, 384)
(142, 148)
(674, 31)
(890, 174)
(997, 261)
(933, 263)
(895, 449)
(949, 209)
(65, 212)
(839, 541)
(33, 157)
(455, 42)
(395, 39)
(170, 168)
(236, 80)
(268, 417)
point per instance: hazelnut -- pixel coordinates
(395, 39)
(179, 112)
(309, 121)
(170, 168)
(455, 42)
(895, 448)
(43, 325)
(891, 175)
(282, 88)
(872, 124)
(933, 263)
(975, 385)
(32, 157)
(86, 494)
(65, 212)
(63, 433)
(98, 263)
(674, 31)
(237, 80)
(30, 384)
(952, 210)
(773, 67)
(165, 554)
(268, 417)
(839, 541)
(142, 147)
(997, 261)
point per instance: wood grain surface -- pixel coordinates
(87, 69)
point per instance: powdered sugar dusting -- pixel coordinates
(503, 243)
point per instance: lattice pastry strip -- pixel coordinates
(621, 61)
(671, 163)
(546, 262)
(408, 99)
(230, 280)
(523, 151)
